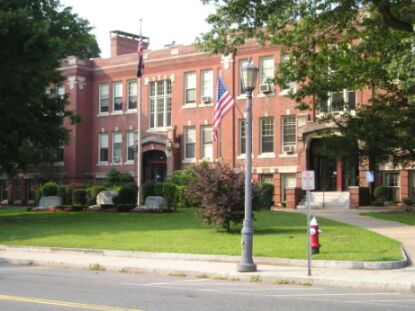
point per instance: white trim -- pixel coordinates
(131, 111)
(103, 114)
(285, 155)
(116, 112)
(106, 163)
(190, 160)
(187, 106)
(266, 155)
(287, 169)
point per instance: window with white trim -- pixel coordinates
(341, 101)
(391, 181)
(267, 135)
(117, 94)
(116, 147)
(288, 133)
(103, 147)
(206, 142)
(132, 94)
(103, 97)
(190, 88)
(241, 63)
(287, 86)
(266, 69)
(131, 145)
(190, 143)
(206, 87)
(159, 104)
(242, 136)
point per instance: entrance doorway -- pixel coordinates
(154, 165)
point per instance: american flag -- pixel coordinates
(140, 51)
(224, 102)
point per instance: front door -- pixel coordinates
(158, 171)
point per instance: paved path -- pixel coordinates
(394, 230)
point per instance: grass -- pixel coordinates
(407, 218)
(277, 234)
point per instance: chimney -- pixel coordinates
(125, 43)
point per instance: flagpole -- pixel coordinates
(139, 164)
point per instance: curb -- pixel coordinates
(336, 264)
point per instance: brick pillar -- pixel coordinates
(404, 184)
(291, 198)
(354, 197)
(339, 175)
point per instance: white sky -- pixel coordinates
(163, 21)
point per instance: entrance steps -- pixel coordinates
(327, 199)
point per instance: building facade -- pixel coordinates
(176, 94)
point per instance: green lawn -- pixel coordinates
(407, 218)
(277, 234)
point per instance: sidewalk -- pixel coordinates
(402, 280)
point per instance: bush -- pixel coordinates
(94, 192)
(125, 208)
(220, 192)
(50, 189)
(267, 195)
(79, 197)
(68, 194)
(182, 177)
(180, 199)
(115, 177)
(62, 192)
(380, 193)
(169, 195)
(158, 188)
(126, 195)
(148, 189)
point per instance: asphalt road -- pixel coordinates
(24, 288)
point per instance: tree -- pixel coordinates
(220, 191)
(335, 45)
(36, 35)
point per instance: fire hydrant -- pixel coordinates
(314, 232)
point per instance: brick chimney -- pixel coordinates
(125, 43)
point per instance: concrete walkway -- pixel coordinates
(394, 230)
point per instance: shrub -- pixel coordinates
(62, 192)
(158, 188)
(125, 208)
(115, 177)
(79, 197)
(68, 194)
(267, 195)
(220, 192)
(180, 199)
(169, 195)
(182, 177)
(126, 195)
(147, 189)
(380, 193)
(49, 189)
(94, 192)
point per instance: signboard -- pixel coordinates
(307, 180)
(370, 177)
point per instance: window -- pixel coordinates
(31, 190)
(61, 91)
(132, 95)
(392, 185)
(60, 154)
(103, 97)
(242, 136)
(131, 145)
(207, 146)
(190, 143)
(206, 86)
(288, 133)
(116, 147)
(160, 104)
(266, 69)
(267, 135)
(103, 148)
(242, 63)
(266, 178)
(190, 87)
(287, 181)
(117, 91)
(18, 190)
(286, 86)
(340, 101)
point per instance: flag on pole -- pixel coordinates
(140, 51)
(223, 103)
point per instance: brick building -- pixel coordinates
(177, 94)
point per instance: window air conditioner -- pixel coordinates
(265, 88)
(289, 149)
(116, 159)
(206, 99)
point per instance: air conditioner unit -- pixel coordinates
(265, 88)
(116, 159)
(206, 99)
(289, 149)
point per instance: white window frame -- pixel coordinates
(241, 62)
(346, 96)
(116, 146)
(206, 85)
(264, 75)
(189, 84)
(206, 143)
(188, 142)
(102, 97)
(131, 93)
(101, 146)
(242, 137)
(131, 143)
(115, 98)
(159, 93)
(261, 135)
(283, 130)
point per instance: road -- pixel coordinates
(24, 288)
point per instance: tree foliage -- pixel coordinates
(36, 35)
(219, 191)
(335, 45)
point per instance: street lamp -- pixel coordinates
(248, 80)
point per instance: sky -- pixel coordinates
(163, 21)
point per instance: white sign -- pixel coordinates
(307, 180)
(370, 177)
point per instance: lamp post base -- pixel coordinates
(246, 267)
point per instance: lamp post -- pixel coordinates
(248, 79)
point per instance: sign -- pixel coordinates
(307, 180)
(370, 176)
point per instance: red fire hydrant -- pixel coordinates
(314, 232)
